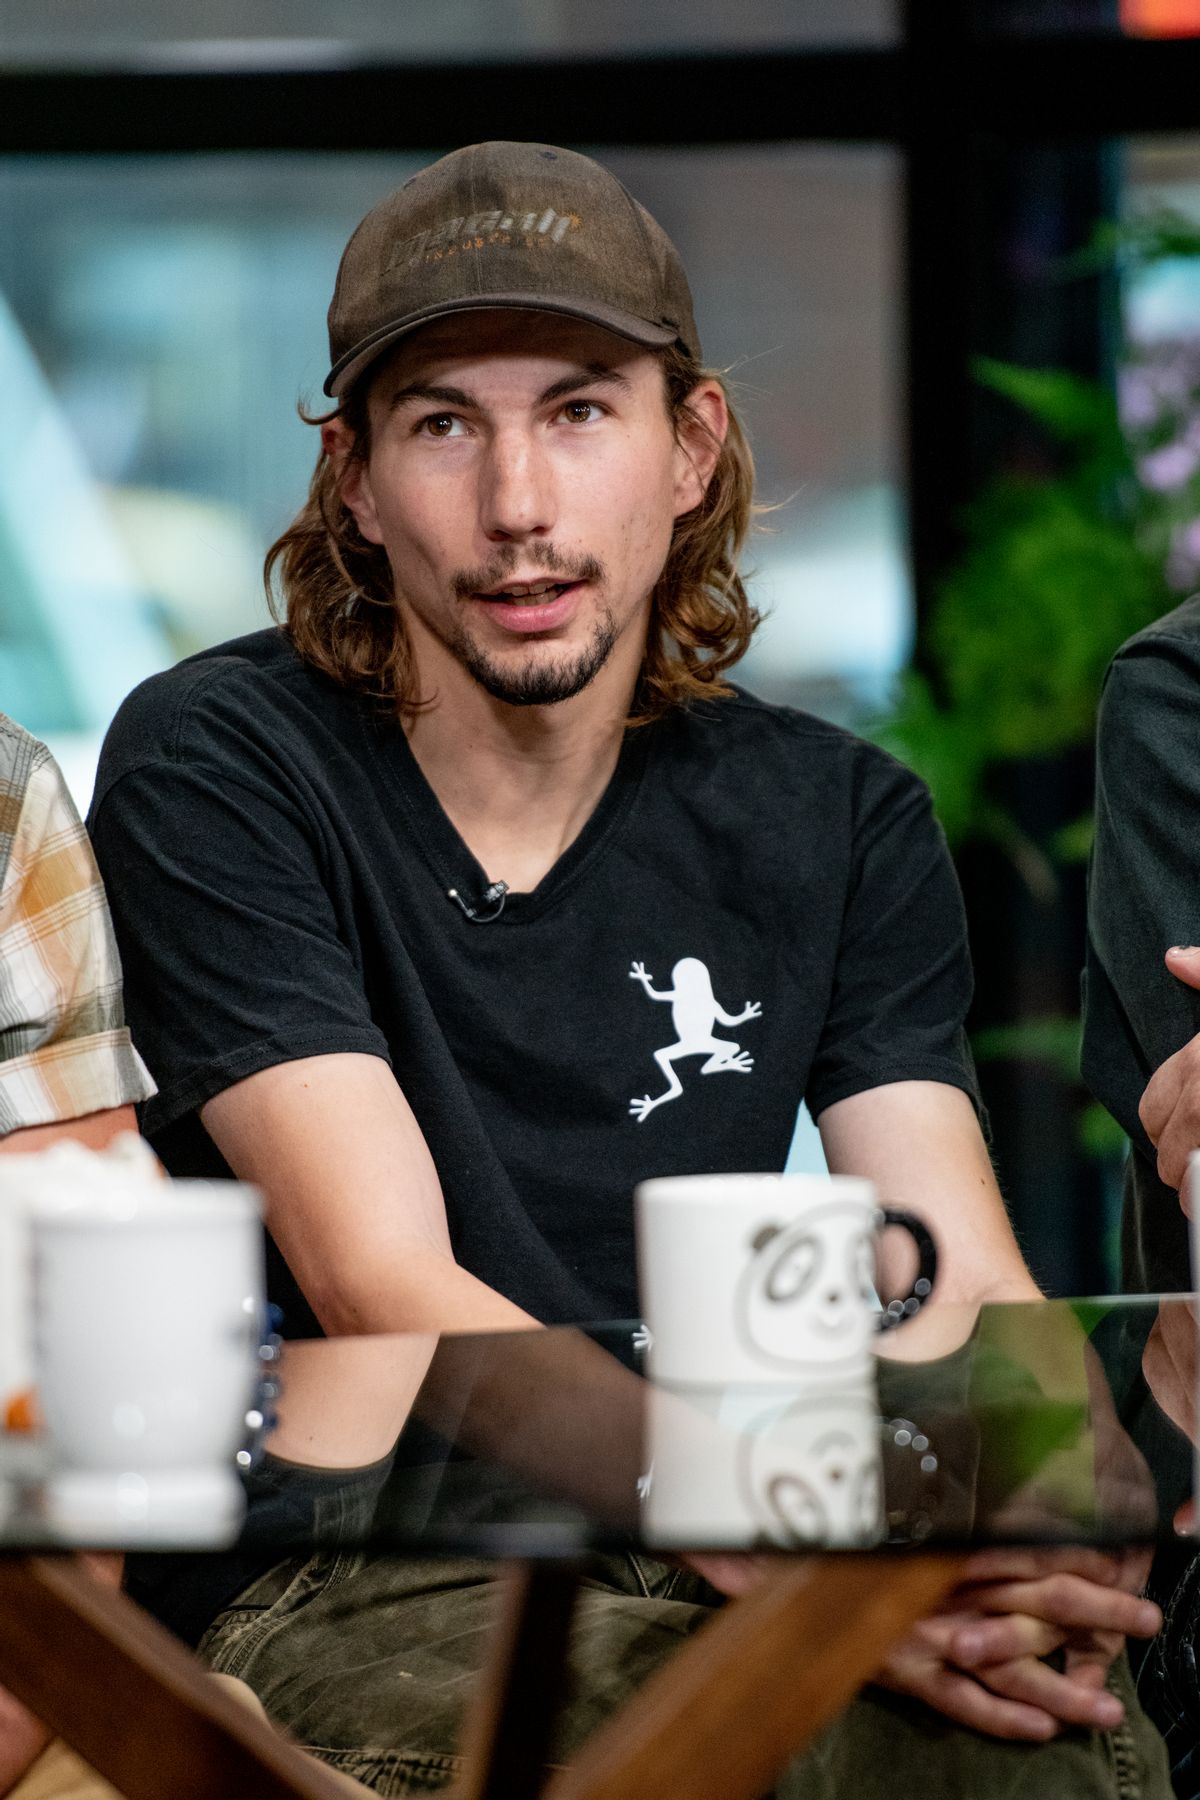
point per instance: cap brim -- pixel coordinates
(627, 325)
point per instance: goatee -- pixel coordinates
(546, 684)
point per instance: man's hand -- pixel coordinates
(22, 1740)
(979, 1658)
(1169, 1362)
(1169, 1365)
(1170, 1107)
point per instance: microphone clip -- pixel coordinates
(493, 896)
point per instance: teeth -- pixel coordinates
(528, 595)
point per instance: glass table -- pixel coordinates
(1054, 1423)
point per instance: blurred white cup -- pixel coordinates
(734, 1469)
(26, 1179)
(766, 1280)
(148, 1309)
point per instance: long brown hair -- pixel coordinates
(339, 597)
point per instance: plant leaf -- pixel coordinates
(1070, 406)
(1052, 1042)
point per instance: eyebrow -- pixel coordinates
(594, 374)
(440, 396)
(587, 375)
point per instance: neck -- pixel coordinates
(519, 782)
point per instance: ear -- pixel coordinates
(699, 436)
(354, 478)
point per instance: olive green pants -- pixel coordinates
(370, 1660)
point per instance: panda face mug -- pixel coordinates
(767, 1280)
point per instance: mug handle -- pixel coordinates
(896, 1312)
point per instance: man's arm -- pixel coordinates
(1141, 1014)
(95, 1130)
(353, 1198)
(921, 1145)
(980, 1660)
(1170, 1107)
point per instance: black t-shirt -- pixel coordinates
(279, 873)
(1144, 896)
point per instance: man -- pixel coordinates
(1142, 1007)
(1141, 1057)
(394, 887)
(68, 1068)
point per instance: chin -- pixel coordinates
(529, 678)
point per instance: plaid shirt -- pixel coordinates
(64, 1047)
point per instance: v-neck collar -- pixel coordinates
(452, 863)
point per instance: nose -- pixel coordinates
(516, 500)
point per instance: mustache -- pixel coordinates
(469, 582)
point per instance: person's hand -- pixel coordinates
(979, 1659)
(1169, 1362)
(732, 1573)
(1169, 1365)
(22, 1740)
(1170, 1107)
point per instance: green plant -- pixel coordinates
(1058, 569)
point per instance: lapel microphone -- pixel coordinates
(493, 896)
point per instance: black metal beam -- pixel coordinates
(1099, 87)
(659, 100)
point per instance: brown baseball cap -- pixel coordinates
(505, 225)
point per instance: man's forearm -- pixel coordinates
(417, 1288)
(353, 1199)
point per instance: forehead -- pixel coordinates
(509, 345)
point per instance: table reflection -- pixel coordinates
(1059, 1421)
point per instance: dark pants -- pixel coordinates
(370, 1661)
(1169, 1671)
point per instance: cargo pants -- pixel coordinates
(370, 1660)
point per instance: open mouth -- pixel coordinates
(528, 593)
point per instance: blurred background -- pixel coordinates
(949, 257)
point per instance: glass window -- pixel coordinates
(161, 318)
(133, 33)
(1161, 18)
(1160, 366)
(1059, 18)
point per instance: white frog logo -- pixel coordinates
(695, 1011)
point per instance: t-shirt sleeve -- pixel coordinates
(65, 1049)
(1144, 883)
(235, 953)
(902, 981)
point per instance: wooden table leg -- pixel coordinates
(131, 1699)
(754, 1686)
(507, 1735)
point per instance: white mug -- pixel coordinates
(766, 1279)
(733, 1469)
(25, 1180)
(148, 1309)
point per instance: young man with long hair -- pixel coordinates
(399, 887)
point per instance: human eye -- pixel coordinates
(440, 425)
(582, 412)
